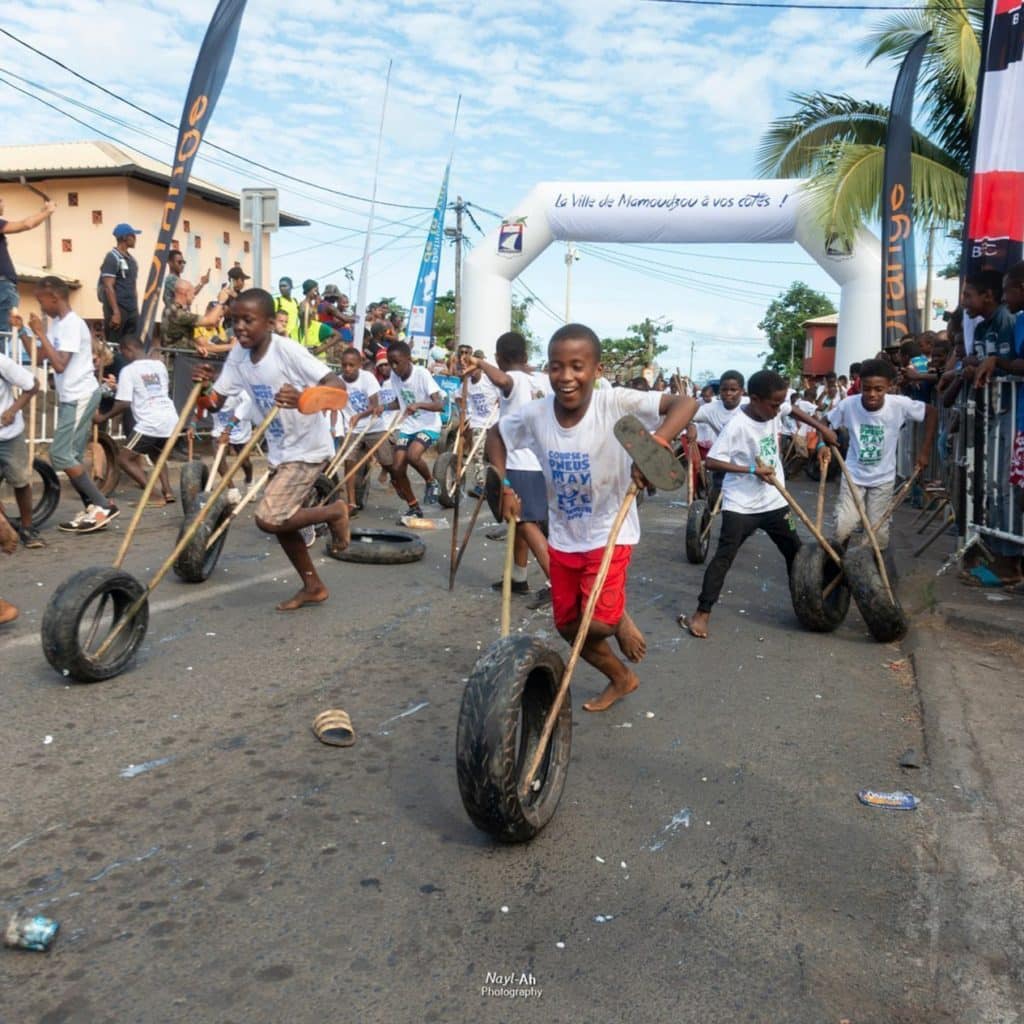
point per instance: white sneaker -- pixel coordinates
(73, 524)
(234, 496)
(308, 534)
(97, 518)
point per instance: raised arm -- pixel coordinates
(13, 227)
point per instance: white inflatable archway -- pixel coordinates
(668, 211)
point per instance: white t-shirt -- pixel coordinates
(12, 376)
(873, 435)
(237, 406)
(482, 400)
(387, 397)
(360, 391)
(292, 436)
(808, 409)
(419, 387)
(70, 334)
(526, 388)
(586, 470)
(742, 441)
(713, 416)
(144, 383)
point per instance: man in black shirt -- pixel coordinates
(8, 277)
(119, 286)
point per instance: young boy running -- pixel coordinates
(747, 452)
(518, 386)
(143, 388)
(712, 417)
(419, 397)
(274, 370)
(14, 467)
(587, 473)
(363, 401)
(482, 398)
(874, 419)
(68, 347)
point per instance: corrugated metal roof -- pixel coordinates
(825, 318)
(28, 272)
(91, 157)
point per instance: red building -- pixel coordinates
(820, 344)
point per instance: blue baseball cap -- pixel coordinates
(125, 229)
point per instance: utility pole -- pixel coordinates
(571, 256)
(693, 349)
(927, 317)
(456, 235)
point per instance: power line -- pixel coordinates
(211, 145)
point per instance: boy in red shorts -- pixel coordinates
(587, 473)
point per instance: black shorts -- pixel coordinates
(533, 493)
(143, 444)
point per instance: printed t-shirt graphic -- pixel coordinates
(418, 388)
(874, 435)
(145, 385)
(742, 441)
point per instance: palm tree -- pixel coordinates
(838, 142)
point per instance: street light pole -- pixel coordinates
(571, 256)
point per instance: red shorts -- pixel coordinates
(572, 579)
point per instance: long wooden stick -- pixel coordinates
(714, 512)
(805, 519)
(32, 356)
(506, 579)
(459, 445)
(154, 475)
(481, 437)
(469, 529)
(865, 522)
(366, 458)
(819, 517)
(217, 459)
(186, 538)
(250, 494)
(581, 638)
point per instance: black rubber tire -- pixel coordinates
(48, 500)
(318, 496)
(812, 571)
(363, 482)
(194, 475)
(381, 547)
(195, 564)
(885, 620)
(444, 474)
(68, 606)
(698, 516)
(108, 484)
(813, 469)
(508, 695)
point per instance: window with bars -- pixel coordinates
(97, 216)
(72, 199)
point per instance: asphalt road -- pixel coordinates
(208, 860)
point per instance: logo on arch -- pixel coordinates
(510, 237)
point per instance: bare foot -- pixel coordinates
(341, 535)
(613, 693)
(8, 536)
(631, 641)
(304, 597)
(8, 613)
(697, 624)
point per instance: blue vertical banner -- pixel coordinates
(421, 311)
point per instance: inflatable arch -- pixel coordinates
(669, 211)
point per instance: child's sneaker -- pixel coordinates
(413, 510)
(97, 518)
(29, 536)
(234, 496)
(431, 493)
(72, 525)
(308, 535)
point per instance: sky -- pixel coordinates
(552, 90)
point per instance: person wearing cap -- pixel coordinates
(309, 319)
(285, 303)
(175, 268)
(119, 286)
(328, 311)
(8, 276)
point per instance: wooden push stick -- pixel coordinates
(805, 519)
(866, 523)
(393, 426)
(345, 452)
(217, 460)
(250, 494)
(33, 357)
(186, 537)
(154, 475)
(506, 579)
(458, 477)
(481, 437)
(711, 519)
(469, 530)
(581, 638)
(819, 516)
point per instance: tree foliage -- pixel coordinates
(444, 322)
(783, 323)
(625, 358)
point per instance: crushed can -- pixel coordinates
(30, 931)
(898, 800)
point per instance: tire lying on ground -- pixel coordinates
(812, 572)
(195, 564)
(506, 700)
(444, 474)
(70, 612)
(885, 619)
(46, 492)
(194, 475)
(698, 536)
(381, 547)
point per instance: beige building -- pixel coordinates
(97, 185)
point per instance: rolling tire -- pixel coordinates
(48, 495)
(507, 698)
(812, 572)
(107, 484)
(698, 537)
(318, 496)
(381, 547)
(885, 620)
(69, 606)
(195, 564)
(444, 474)
(363, 486)
(194, 476)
